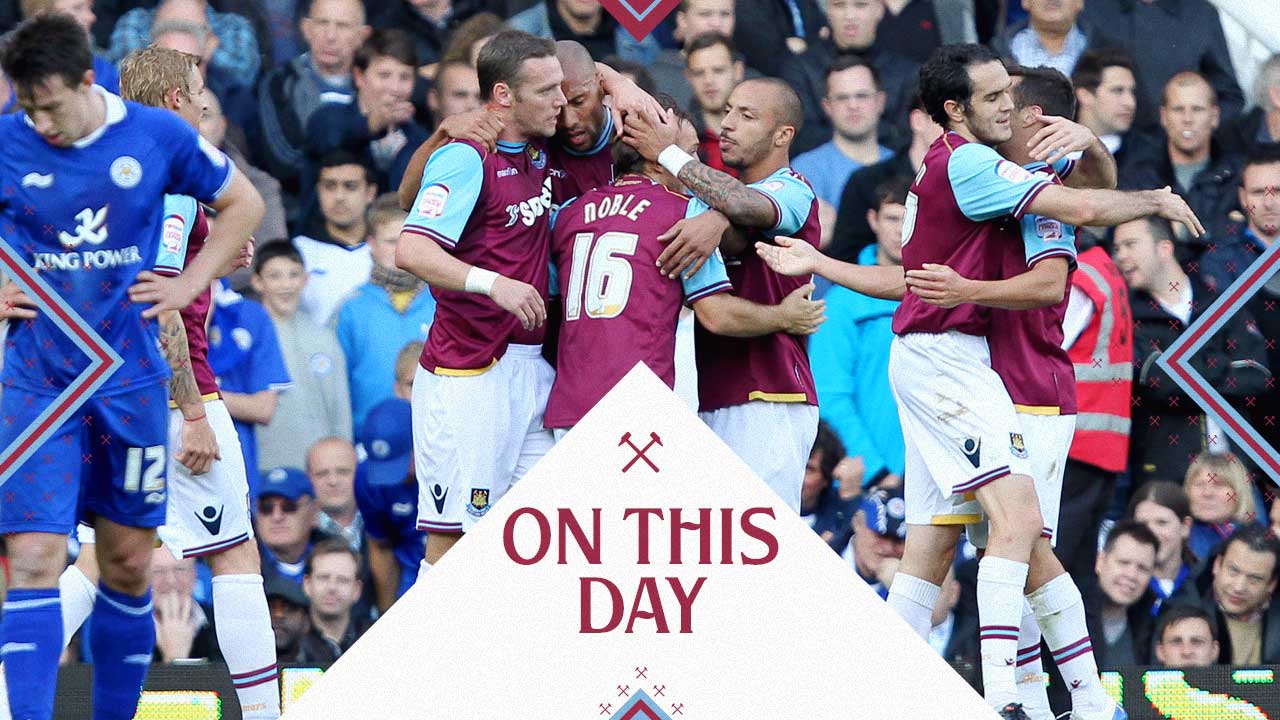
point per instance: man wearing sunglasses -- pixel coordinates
(286, 523)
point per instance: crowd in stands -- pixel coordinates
(1167, 525)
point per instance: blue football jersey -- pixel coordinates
(88, 219)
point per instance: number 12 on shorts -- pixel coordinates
(149, 479)
(601, 268)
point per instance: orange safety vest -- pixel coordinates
(1103, 360)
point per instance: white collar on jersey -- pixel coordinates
(115, 113)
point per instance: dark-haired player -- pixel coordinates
(86, 174)
(618, 308)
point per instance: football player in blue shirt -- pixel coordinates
(83, 176)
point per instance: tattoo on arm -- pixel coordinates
(739, 203)
(173, 341)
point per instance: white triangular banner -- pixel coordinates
(485, 637)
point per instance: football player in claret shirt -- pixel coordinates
(618, 308)
(479, 235)
(85, 178)
(756, 393)
(208, 513)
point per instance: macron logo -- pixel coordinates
(37, 180)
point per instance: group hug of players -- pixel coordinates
(574, 184)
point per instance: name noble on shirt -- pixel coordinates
(625, 205)
(671, 531)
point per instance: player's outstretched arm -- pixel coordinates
(790, 256)
(199, 445)
(240, 210)
(480, 126)
(426, 259)
(1107, 208)
(1061, 137)
(797, 314)
(1042, 285)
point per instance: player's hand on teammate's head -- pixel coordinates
(789, 256)
(163, 293)
(939, 285)
(519, 299)
(630, 99)
(690, 242)
(801, 313)
(650, 136)
(1058, 138)
(1175, 209)
(481, 126)
(16, 304)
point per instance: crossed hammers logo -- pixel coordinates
(640, 452)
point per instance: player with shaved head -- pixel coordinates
(580, 158)
(751, 391)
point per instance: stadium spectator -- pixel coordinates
(429, 23)
(214, 128)
(1169, 428)
(772, 32)
(692, 18)
(1053, 35)
(331, 466)
(285, 519)
(456, 90)
(246, 359)
(387, 494)
(234, 63)
(1124, 569)
(851, 29)
(465, 42)
(1237, 587)
(332, 584)
(334, 245)
(1164, 508)
(290, 93)
(291, 622)
(282, 35)
(1186, 636)
(184, 627)
(585, 22)
(1275, 516)
(879, 534)
(911, 27)
(1106, 98)
(1098, 337)
(713, 71)
(1221, 497)
(104, 71)
(824, 502)
(393, 308)
(1261, 125)
(852, 231)
(1235, 249)
(1144, 29)
(1187, 159)
(378, 127)
(854, 103)
(319, 403)
(849, 354)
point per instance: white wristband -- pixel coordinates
(480, 280)
(674, 159)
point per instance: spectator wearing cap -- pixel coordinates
(387, 495)
(319, 404)
(1237, 587)
(380, 317)
(291, 623)
(290, 93)
(1168, 427)
(851, 30)
(879, 534)
(331, 466)
(332, 584)
(285, 521)
(1124, 567)
(1186, 157)
(825, 502)
(1186, 636)
(245, 356)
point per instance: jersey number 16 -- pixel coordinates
(602, 273)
